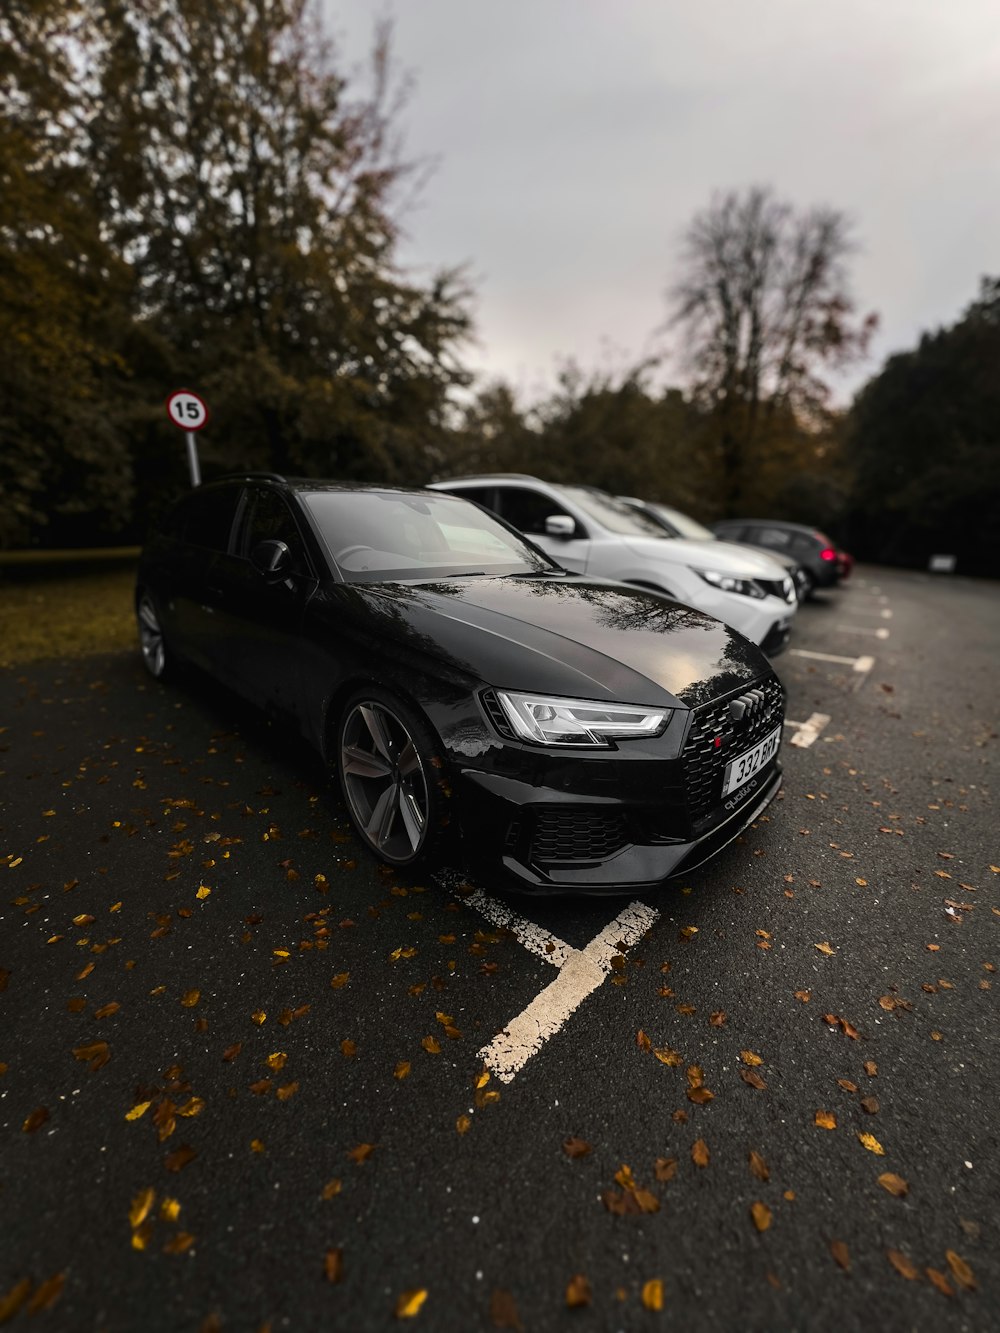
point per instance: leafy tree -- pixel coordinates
(924, 441)
(766, 313)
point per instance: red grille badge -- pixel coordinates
(718, 742)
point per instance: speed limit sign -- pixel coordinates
(187, 410)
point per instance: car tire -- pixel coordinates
(152, 642)
(392, 778)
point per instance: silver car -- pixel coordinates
(597, 534)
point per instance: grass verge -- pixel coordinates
(66, 615)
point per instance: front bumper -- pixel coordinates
(623, 821)
(761, 620)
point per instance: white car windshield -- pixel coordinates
(383, 536)
(613, 514)
(686, 525)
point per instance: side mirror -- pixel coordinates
(272, 560)
(560, 525)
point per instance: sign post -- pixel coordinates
(190, 412)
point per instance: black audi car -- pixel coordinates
(564, 734)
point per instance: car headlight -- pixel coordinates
(729, 583)
(547, 721)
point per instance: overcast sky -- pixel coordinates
(576, 138)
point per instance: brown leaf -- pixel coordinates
(700, 1095)
(871, 1068)
(14, 1299)
(761, 1215)
(895, 1185)
(642, 1041)
(804, 995)
(666, 1056)
(46, 1294)
(939, 1281)
(333, 1265)
(758, 1167)
(106, 1010)
(503, 1311)
(463, 1124)
(699, 1153)
(904, 1266)
(665, 1168)
(402, 1069)
(331, 1189)
(340, 980)
(262, 1086)
(847, 1085)
(578, 1292)
(750, 1058)
(231, 1052)
(647, 1201)
(276, 1060)
(361, 1153)
(287, 1090)
(179, 1158)
(652, 1294)
(141, 1205)
(348, 1048)
(717, 1019)
(825, 948)
(826, 1120)
(431, 1045)
(36, 1119)
(961, 1271)
(179, 1244)
(841, 1254)
(98, 1053)
(753, 1078)
(574, 1147)
(870, 1104)
(190, 998)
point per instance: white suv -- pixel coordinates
(593, 533)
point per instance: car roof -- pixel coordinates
(770, 523)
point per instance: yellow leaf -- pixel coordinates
(870, 1142)
(203, 891)
(256, 1145)
(190, 998)
(259, 1016)
(276, 1060)
(483, 1079)
(141, 1205)
(431, 1045)
(652, 1294)
(463, 1124)
(138, 1110)
(402, 1069)
(895, 1185)
(410, 1302)
(826, 1120)
(825, 948)
(761, 1215)
(332, 1188)
(193, 1106)
(170, 1210)
(749, 1058)
(667, 1056)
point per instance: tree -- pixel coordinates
(766, 313)
(924, 442)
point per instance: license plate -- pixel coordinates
(744, 766)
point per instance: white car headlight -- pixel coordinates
(548, 721)
(730, 583)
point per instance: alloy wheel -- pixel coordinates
(154, 650)
(384, 781)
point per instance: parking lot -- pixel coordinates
(249, 1079)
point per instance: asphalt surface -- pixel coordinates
(163, 852)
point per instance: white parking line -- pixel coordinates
(864, 664)
(880, 633)
(806, 733)
(886, 613)
(581, 971)
(537, 941)
(821, 657)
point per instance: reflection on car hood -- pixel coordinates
(588, 639)
(724, 557)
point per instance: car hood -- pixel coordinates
(723, 557)
(583, 638)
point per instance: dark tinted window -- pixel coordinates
(527, 510)
(803, 544)
(480, 495)
(205, 518)
(776, 538)
(267, 516)
(733, 532)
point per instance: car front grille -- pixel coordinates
(705, 761)
(577, 835)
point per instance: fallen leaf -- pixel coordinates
(665, 1168)
(717, 1019)
(841, 1254)
(46, 1294)
(749, 1058)
(463, 1124)
(652, 1294)
(190, 998)
(574, 1147)
(287, 1090)
(758, 1167)
(14, 1299)
(348, 1048)
(106, 1010)
(483, 1079)
(825, 948)
(361, 1153)
(276, 1060)
(700, 1095)
(258, 1017)
(903, 1265)
(402, 1069)
(138, 1110)
(894, 1184)
(804, 995)
(98, 1053)
(870, 1104)
(35, 1120)
(202, 892)
(331, 1189)
(761, 1215)
(960, 1270)
(503, 1311)
(826, 1120)
(333, 1265)
(688, 932)
(939, 1281)
(699, 1153)
(870, 1068)
(667, 1056)
(578, 1292)
(642, 1041)
(409, 1303)
(340, 980)
(431, 1045)
(177, 1160)
(753, 1078)
(231, 1052)
(847, 1085)
(141, 1205)
(872, 1144)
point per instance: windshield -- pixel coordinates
(685, 525)
(383, 536)
(613, 514)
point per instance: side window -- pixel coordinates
(803, 545)
(527, 510)
(733, 532)
(776, 538)
(205, 519)
(267, 516)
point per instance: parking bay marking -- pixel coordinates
(880, 633)
(862, 664)
(806, 733)
(580, 972)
